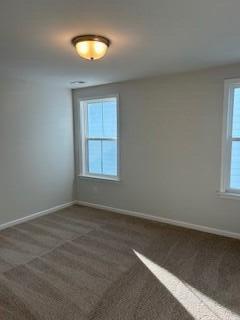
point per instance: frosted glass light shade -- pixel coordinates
(91, 47)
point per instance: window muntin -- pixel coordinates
(99, 133)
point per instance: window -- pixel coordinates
(99, 138)
(231, 139)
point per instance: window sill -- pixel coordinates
(92, 177)
(228, 195)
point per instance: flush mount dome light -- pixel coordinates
(91, 47)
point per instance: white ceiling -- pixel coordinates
(149, 37)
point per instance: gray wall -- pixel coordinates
(170, 131)
(36, 148)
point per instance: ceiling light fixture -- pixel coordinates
(91, 47)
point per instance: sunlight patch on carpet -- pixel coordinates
(198, 305)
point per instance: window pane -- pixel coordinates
(94, 157)
(235, 166)
(110, 119)
(109, 150)
(236, 114)
(94, 124)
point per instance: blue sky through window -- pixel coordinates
(101, 126)
(236, 114)
(235, 155)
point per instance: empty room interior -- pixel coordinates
(120, 160)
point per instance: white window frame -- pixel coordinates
(227, 139)
(82, 140)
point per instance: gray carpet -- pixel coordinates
(82, 263)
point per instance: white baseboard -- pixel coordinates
(179, 223)
(36, 215)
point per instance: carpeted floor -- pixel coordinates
(81, 263)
